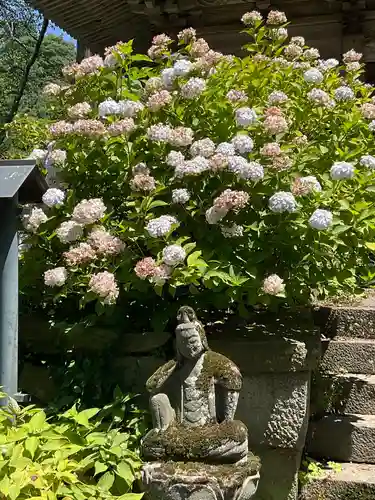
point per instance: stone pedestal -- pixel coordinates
(200, 481)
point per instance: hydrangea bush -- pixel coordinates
(228, 181)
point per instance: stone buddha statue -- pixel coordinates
(193, 402)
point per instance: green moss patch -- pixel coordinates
(181, 442)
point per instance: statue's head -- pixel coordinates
(191, 340)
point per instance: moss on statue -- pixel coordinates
(226, 475)
(182, 442)
(223, 370)
(156, 381)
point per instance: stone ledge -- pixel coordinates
(200, 481)
(271, 355)
(347, 438)
(343, 394)
(353, 482)
(348, 356)
(348, 320)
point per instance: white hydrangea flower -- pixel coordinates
(326, 65)
(53, 196)
(277, 97)
(235, 96)
(298, 40)
(318, 96)
(39, 155)
(321, 219)
(159, 100)
(140, 169)
(57, 157)
(352, 56)
(33, 219)
(368, 161)
(193, 88)
(173, 255)
(371, 126)
(306, 185)
(255, 171)
(226, 149)
(245, 117)
(110, 61)
(108, 107)
(183, 67)
(174, 158)
(69, 231)
(129, 109)
(233, 231)
(342, 170)
(160, 226)
(104, 285)
(251, 18)
(203, 147)
(344, 93)
(55, 277)
(215, 214)
(79, 110)
(282, 202)
(311, 54)
(180, 196)
(279, 33)
(195, 166)
(159, 132)
(89, 211)
(354, 66)
(242, 143)
(154, 84)
(52, 89)
(181, 137)
(313, 75)
(168, 77)
(273, 285)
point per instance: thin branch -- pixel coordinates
(30, 64)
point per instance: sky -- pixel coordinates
(55, 30)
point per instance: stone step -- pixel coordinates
(348, 320)
(343, 394)
(345, 438)
(348, 356)
(353, 482)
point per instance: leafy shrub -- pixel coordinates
(225, 181)
(21, 135)
(76, 455)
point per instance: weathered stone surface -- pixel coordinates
(134, 343)
(353, 482)
(348, 356)
(37, 382)
(275, 409)
(199, 481)
(347, 393)
(279, 474)
(346, 438)
(269, 355)
(348, 320)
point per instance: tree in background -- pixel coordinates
(28, 59)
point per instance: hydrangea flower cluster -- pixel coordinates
(211, 154)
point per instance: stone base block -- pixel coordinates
(348, 356)
(345, 438)
(353, 482)
(200, 481)
(279, 474)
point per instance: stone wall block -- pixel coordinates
(345, 438)
(275, 409)
(278, 475)
(348, 356)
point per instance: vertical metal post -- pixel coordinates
(8, 296)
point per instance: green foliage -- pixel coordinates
(312, 469)
(19, 27)
(21, 136)
(78, 454)
(218, 272)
